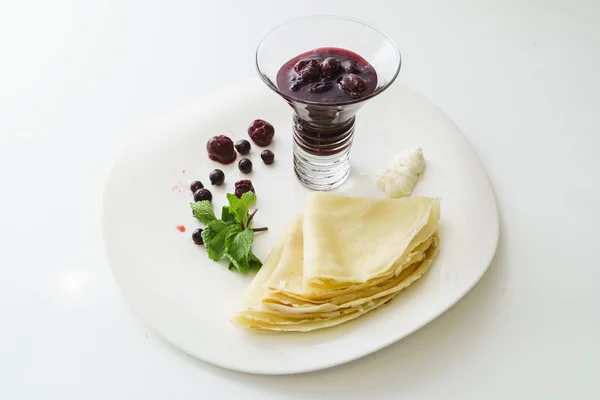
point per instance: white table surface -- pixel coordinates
(520, 78)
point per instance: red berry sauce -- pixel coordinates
(220, 149)
(327, 75)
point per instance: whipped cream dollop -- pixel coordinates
(400, 178)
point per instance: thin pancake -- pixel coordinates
(404, 280)
(349, 239)
(284, 290)
(268, 318)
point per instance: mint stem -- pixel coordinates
(260, 229)
(250, 218)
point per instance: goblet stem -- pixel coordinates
(322, 152)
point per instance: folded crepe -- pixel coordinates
(340, 259)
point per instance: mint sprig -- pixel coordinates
(230, 236)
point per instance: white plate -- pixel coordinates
(187, 299)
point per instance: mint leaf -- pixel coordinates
(237, 248)
(239, 243)
(214, 236)
(203, 210)
(239, 207)
(255, 263)
(227, 216)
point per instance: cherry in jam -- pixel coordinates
(327, 75)
(220, 148)
(261, 132)
(243, 186)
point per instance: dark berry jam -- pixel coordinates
(242, 187)
(327, 75)
(261, 132)
(220, 149)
